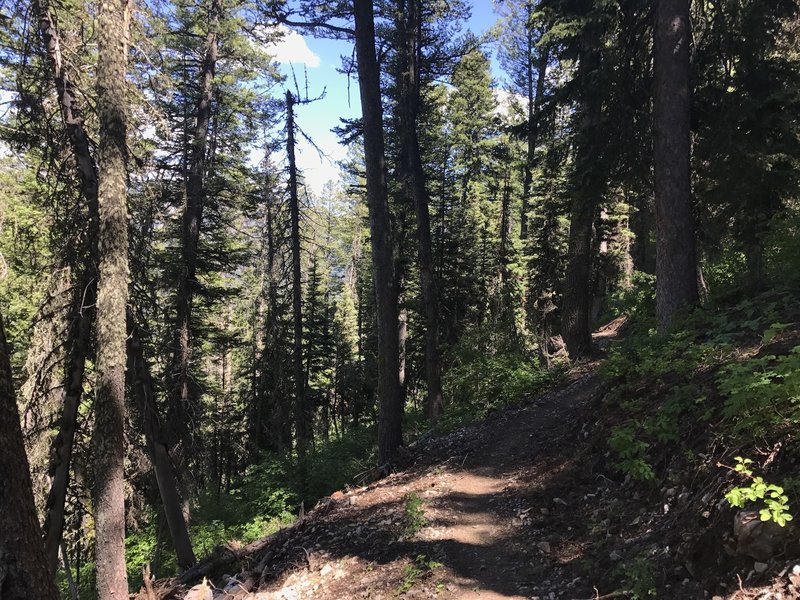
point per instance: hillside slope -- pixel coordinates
(526, 504)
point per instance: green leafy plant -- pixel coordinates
(775, 502)
(638, 298)
(665, 424)
(631, 452)
(772, 331)
(415, 520)
(486, 370)
(421, 567)
(762, 393)
(639, 579)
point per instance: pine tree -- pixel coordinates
(390, 436)
(676, 277)
(112, 296)
(25, 572)
(588, 185)
(410, 169)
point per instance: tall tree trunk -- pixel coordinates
(409, 112)
(83, 313)
(587, 188)
(112, 297)
(390, 433)
(676, 269)
(24, 572)
(504, 312)
(183, 409)
(78, 340)
(300, 408)
(141, 384)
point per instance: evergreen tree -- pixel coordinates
(25, 572)
(676, 266)
(390, 436)
(112, 296)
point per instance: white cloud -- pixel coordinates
(317, 170)
(292, 48)
(509, 104)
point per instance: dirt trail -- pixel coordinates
(486, 525)
(527, 504)
(474, 513)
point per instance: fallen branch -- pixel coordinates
(614, 594)
(225, 555)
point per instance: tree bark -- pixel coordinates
(588, 186)
(23, 568)
(390, 436)
(78, 340)
(112, 297)
(141, 384)
(676, 278)
(300, 408)
(82, 316)
(409, 112)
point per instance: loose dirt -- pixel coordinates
(523, 505)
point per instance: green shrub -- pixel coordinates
(414, 515)
(774, 503)
(639, 579)
(420, 568)
(486, 371)
(631, 453)
(636, 299)
(762, 393)
(653, 380)
(782, 249)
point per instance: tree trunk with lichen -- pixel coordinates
(82, 314)
(112, 296)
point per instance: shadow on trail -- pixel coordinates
(502, 533)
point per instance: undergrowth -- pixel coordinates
(260, 502)
(415, 520)
(728, 371)
(421, 567)
(485, 372)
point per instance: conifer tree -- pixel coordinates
(390, 436)
(112, 296)
(24, 570)
(676, 267)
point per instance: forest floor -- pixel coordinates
(516, 506)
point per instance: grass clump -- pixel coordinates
(421, 567)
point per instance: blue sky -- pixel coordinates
(321, 60)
